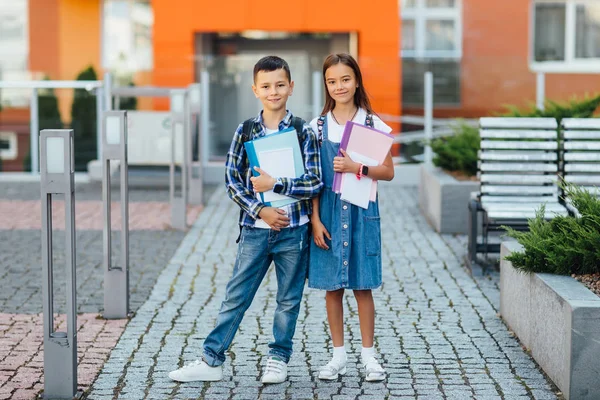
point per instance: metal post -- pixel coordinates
(428, 117)
(116, 278)
(34, 128)
(540, 90)
(60, 348)
(178, 135)
(107, 91)
(99, 111)
(205, 117)
(195, 171)
(317, 87)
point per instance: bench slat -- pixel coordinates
(583, 179)
(582, 156)
(582, 145)
(519, 144)
(589, 135)
(582, 167)
(517, 167)
(525, 215)
(581, 123)
(527, 200)
(519, 123)
(511, 155)
(518, 179)
(518, 189)
(517, 134)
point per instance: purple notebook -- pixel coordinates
(369, 142)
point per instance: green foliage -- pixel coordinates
(458, 152)
(128, 103)
(573, 108)
(48, 117)
(564, 245)
(83, 122)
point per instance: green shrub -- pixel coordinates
(48, 117)
(83, 122)
(564, 245)
(458, 153)
(573, 108)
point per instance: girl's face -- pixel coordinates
(341, 83)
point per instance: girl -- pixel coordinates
(346, 252)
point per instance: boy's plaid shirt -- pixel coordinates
(237, 175)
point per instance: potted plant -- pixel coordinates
(556, 317)
(445, 187)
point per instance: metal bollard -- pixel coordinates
(195, 169)
(60, 348)
(179, 126)
(116, 278)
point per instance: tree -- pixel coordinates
(83, 122)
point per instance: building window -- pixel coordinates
(566, 36)
(8, 146)
(431, 41)
(14, 51)
(127, 36)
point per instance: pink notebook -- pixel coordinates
(369, 142)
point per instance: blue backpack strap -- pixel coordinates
(369, 121)
(320, 124)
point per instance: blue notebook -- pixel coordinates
(280, 156)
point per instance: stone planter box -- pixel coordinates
(443, 199)
(558, 319)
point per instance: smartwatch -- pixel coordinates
(364, 170)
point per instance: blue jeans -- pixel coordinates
(288, 248)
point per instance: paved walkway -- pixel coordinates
(437, 328)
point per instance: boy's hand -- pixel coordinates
(274, 217)
(345, 163)
(262, 183)
(320, 233)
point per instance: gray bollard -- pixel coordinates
(195, 168)
(179, 126)
(116, 277)
(60, 348)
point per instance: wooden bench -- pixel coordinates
(518, 171)
(581, 153)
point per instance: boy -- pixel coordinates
(268, 234)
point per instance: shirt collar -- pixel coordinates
(285, 122)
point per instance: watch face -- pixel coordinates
(365, 170)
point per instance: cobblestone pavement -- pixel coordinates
(152, 244)
(437, 328)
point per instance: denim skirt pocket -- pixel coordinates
(372, 236)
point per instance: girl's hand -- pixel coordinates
(320, 233)
(262, 183)
(345, 164)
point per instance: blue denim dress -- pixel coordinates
(353, 260)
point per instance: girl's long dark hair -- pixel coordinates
(361, 99)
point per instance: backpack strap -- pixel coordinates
(369, 121)
(320, 124)
(298, 124)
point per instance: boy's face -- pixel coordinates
(273, 88)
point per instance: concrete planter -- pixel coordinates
(443, 199)
(558, 320)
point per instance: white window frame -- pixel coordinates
(571, 64)
(420, 15)
(13, 151)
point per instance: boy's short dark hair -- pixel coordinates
(272, 63)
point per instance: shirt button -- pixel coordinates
(345, 207)
(345, 226)
(345, 262)
(345, 244)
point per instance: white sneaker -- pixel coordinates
(275, 371)
(197, 371)
(373, 371)
(333, 369)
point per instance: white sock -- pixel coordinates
(339, 353)
(367, 352)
